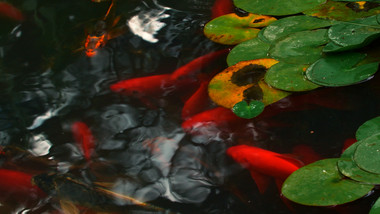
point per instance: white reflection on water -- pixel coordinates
(40, 145)
(147, 23)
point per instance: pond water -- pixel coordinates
(143, 161)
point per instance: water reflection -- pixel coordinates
(146, 160)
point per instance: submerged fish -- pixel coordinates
(221, 7)
(18, 186)
(11, 12)
(84, 138)
(261, 162)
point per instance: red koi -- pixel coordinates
(269, 163)
(145, 86)
(217, 117)
(197, 102)
(18, 186)
(193, 68)
(222, 7)
(305, 153)
(9, 11)
(84, 138)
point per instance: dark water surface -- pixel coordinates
(47, 83)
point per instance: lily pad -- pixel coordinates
(320, 184)
(375, 207)
(292, 24)
(270, 94)
(240, 82)
(248, 111)
(356, 34)
(303, 47)
(232, 29)
(368, 129)
(367, 154)
(349, 152)
(277, 7)
(340, 70)
(349, 169)
(252, 49)
(342, 11)
(289, 77)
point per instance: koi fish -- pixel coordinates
(18, 186)
(222, 7)
(305, 153)
(9, 11)
(84, 138)
(220, 117)
(145, 86)
(193, 68)
(263, 162)
(196, 103)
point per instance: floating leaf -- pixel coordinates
(367, 154)
(342, 11)
(349, 169)
(232, 29)
(231, 85)
(339, 70)
(292, 24)
(349, 152)
(289, 77)
(277, 7)
(303, 47)
(270, 94)
(252, 49)
(320, 184)
(369, 128)
(375, 207)
(353, 35)
(248, 111)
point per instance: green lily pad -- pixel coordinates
(349, 152)
(375, 207)
(292, 24)
(252, 49)
(341, 11)
(356, 34)
(277, 7)
(232, 29)
(340, 70)
(303, 47)
(242, 109)
(320, 184)
(289, 77)
(368, 129)
(349, 169)
(367, 154)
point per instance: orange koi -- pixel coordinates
(197, 102)
(263, 162)
(219, 117)
(193, 68)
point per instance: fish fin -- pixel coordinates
(261, 180)
(306, 154)
(292, 158)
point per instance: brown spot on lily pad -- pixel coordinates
(229, 87)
